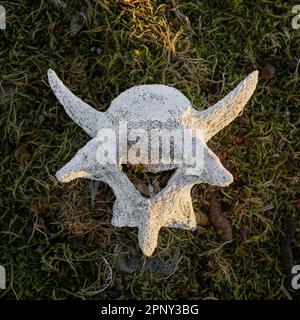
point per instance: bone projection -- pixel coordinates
(145, 107)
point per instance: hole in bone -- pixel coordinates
(147, 183)
(102, 199)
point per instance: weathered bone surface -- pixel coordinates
(148, 106)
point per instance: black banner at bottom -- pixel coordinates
(96, 310)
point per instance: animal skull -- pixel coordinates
(144, 107)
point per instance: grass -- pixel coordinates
(52, 243)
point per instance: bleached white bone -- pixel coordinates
(146, 106)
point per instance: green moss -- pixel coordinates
(51, 242)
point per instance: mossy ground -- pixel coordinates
(51, 242)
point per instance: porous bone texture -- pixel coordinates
(151, 107)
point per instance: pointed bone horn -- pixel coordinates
(80, 112)
(226, 110)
